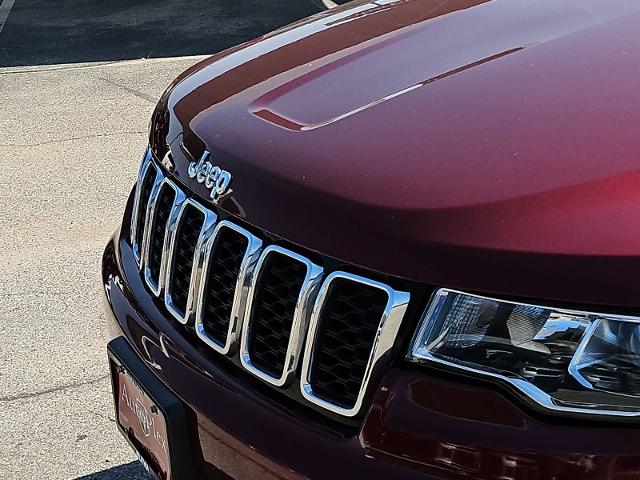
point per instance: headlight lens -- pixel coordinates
(563, 360)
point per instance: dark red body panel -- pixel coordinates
(420, 426)
(482, 145)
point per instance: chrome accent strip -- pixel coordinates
(385, 337)
(300, 317)
(196, 269)
(156, 288)
(145, 162)
(254, 244)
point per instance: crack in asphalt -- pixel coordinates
(34, 294)
(71, 139)
(60, 388)
(132, 91)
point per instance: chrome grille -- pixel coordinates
(333, 377)
(345, 337)
(224, 268)
(187, 234)
(278, 310)
(185, 257)
(226, 259)
(229, 257)
(159, 219)
(147, 181)
(276, 305)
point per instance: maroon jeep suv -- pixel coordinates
(398, 239)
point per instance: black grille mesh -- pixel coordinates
(225, 261)
(159, 230)
(145, 193)
(347, 328)
(186, 240)
(273, 307)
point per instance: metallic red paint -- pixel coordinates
(419, 425)
(474, 432)
(484, 145)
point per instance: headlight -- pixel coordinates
(563, 360)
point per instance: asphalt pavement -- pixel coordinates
(41, 32)
(78, 82)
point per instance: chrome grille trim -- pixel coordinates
(161, 182)
(300, 319)
(254, 244)
(387, 332)
(206, 231)
(145, 162)
(313, 295)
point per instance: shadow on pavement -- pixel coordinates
(129, 471)
(40, 32)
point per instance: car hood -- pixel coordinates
(482, 145)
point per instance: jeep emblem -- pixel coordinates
(214, 178)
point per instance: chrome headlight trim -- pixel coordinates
(529, 392)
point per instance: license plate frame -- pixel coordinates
(167, 424)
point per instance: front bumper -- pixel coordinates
(420, 425)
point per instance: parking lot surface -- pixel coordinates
(78, 83)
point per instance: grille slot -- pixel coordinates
(184, 248)
(161, 213)
(143, 203)
(274, 303)
(225, 262)
(354, 325)
(351, 315)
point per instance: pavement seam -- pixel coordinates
(68, 386)
(71, 139)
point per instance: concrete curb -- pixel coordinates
(117, 63)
